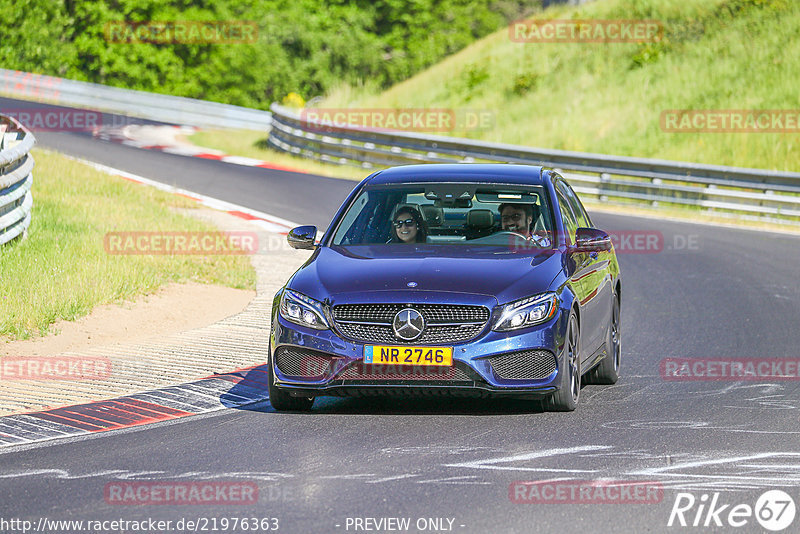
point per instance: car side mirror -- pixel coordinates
(302, 237)
(591, 240)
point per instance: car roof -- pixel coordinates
(461, 173)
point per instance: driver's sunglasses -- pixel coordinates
(407, 222)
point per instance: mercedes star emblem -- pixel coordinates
(408, 324)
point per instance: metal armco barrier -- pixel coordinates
(153, 106)
(753, 194)
(16, 178)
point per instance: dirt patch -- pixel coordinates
(173, 308)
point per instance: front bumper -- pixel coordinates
(326, 363)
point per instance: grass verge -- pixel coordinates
(61, 270)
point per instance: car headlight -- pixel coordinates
(302, 310)
(527, 312)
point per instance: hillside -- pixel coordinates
(609, 97)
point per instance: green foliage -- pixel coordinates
(303, 46)
(474, 76)
(648, 53)
(32, 33)
(524, 83)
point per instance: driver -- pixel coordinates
(517, 218)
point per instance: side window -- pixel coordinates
(581, 216)
(570, 224)
(348, 232)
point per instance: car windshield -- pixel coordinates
(448, 214)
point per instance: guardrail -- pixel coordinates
(164, 108)
(753, 194)
(16, 178)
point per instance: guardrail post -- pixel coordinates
(16, 177)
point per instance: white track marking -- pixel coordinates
(207, 201)
(389, 479)
(672, 470)
(455, 480)
(492, 463)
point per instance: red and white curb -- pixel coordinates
(162, 138)
(230, 390)
(266, 221)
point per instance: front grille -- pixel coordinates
(524, 365)
(388, 372)
(445, 324)
(294, 361)
(433, 335)
(433, 313)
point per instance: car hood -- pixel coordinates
(355, 274)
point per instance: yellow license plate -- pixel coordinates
(381, 354)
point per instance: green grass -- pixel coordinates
(608, 98)
(61, 270)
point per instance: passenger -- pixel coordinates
(517, 218)
(408, 226)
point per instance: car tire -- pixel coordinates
(569, 390)
(607, 372)
(281, 400)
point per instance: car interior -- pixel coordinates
(464, 224)
(465, 217)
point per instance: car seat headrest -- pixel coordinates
(480, 219)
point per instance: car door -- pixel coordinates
(606, 260)
(591, 277)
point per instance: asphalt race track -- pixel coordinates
(706, 292)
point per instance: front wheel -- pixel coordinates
(281, 400)
(569, 391)
(607, 371)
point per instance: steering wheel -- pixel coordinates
(510, 233)
(540, 241)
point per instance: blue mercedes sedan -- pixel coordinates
(469, 279)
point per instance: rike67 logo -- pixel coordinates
(774, 510)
